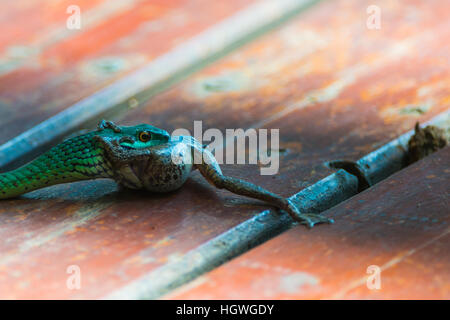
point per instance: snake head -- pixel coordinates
(142, 136)
(125, 144)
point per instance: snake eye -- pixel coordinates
(145, 136)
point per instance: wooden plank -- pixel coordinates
(44, 20)
(322, 195)
(324, 99)
(58, 66)
(117, 56)
(399, 225)
(318, 197)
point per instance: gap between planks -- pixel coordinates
(156, 76)
(319, 197)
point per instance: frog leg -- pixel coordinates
(210, 169)
(104, 124)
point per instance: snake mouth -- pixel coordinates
(127, 147)
(129, 143)
(126, 142)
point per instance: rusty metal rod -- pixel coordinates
(319, 197)
(156, 76)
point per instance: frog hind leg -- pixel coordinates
(210, 169)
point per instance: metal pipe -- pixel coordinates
(319, 197)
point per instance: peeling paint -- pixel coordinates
(295, 282)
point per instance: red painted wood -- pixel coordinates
(354, 89)
(400, 225)
(57, 72)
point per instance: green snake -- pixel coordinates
(137, 157)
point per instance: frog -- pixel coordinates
(138, 157)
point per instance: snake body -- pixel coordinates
(137, 157)
(79, 158)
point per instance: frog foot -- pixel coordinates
(308, 219)
(311, 219)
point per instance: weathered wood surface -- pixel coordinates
(45, 67)
(334, 89)
(401, 225)
(137, 87)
